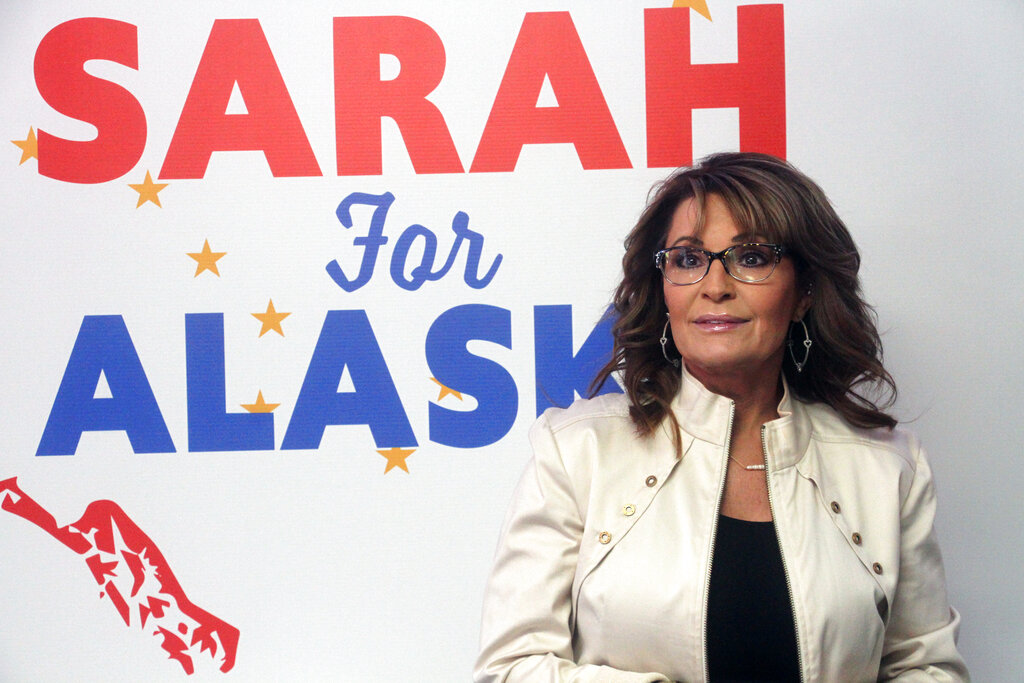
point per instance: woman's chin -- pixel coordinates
(726, 366)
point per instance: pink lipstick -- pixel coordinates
(714, 322)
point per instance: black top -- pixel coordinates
(751, 636)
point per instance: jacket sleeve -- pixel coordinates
(920, 638)
(525, 631)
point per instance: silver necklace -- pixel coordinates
(749, 468)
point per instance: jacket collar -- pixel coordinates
(707, 416)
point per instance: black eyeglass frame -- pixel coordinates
(661, 255)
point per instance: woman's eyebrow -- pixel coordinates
(746, 237)
(741, 238)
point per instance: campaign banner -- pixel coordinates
(286, 286)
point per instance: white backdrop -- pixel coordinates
(330, 568)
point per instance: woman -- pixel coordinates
(743, 511)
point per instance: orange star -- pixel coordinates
(271, 319)
(698, 6)
(396, 458)
(207, 259)
(445, 390)
(260, 406)
(148, 191)
(29, 147)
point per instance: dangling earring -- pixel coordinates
(664, 342)
(807, 347)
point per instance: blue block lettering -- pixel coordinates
(347, 340)
(210, 427)
(560, 374)
(455, 367)
(104, 345)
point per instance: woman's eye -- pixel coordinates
(753, 257)
(687, 258)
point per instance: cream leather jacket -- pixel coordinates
(604, 561)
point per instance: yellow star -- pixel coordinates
(698, 6)
(271, 319)
(396, 457)
(148, 190)
(260, 406)
(29, 146)
(445, 390)
(206, 259)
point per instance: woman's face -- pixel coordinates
(723, 327)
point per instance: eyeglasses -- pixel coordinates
(687, 265)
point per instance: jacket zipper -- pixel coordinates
(714, 534)
(782, 554)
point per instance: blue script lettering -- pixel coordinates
(420, 273)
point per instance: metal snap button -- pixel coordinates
(651, 480)
(856, 538)
(604, 537)
(835, 507)
(628, 510)
(877, 568)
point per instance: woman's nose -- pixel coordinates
(718, 284)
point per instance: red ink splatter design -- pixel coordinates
(135, 576)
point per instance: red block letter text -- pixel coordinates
(361, 98)
(237, 52)
(64, 84)
(549, 44)
(756, 84)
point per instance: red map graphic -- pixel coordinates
(135, 576)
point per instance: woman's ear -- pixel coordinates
(804, 304)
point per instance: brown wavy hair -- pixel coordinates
(767, 197)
